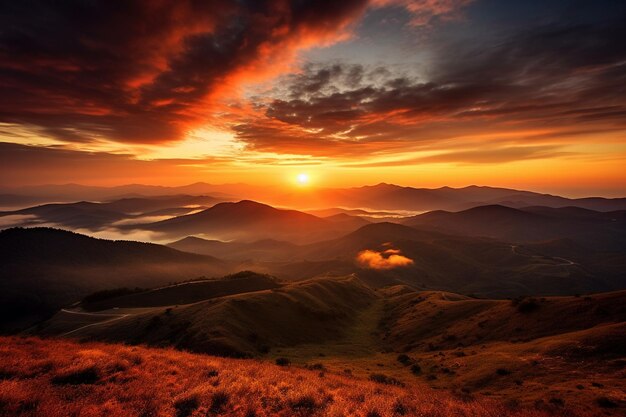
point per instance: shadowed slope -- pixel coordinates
(184, 292)
(247, 324)
(603, 231)
(99, 215)
(44, 269)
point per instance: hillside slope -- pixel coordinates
(59, 378)
(246, 324)
(596, 230)
(182, 293)
(463, 264)
(44, 269)
(99, 215)
(248, 220)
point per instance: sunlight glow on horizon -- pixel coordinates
(303, 178)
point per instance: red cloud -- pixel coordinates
(426, 10)
(147, 71)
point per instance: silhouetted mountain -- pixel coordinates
(467, 264)
(605, 231)
(381, 197)
(44, 269)
(347, 221)
(72, 192)
(96, 216)
(393, 197)
(261, 250)
(248, 220)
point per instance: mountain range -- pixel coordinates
(380, 197)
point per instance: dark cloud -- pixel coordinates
(555, 76)
(141, 71)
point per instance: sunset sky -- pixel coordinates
(524, 94)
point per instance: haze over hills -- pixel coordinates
(312, 208)
(597, 230)
(45, 269)
(260, 250)
(419, 302)
(381, 196)
(466, 264)
(95, 216)
(249, 220)
(339, 288)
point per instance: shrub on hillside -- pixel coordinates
(605, 402)
(186, 405)
(282, 362)
(387, 380)
(404, 359)
(525, 304)
(416, 369)
(304, 403)
(219, 400)
(78, 376)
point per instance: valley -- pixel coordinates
(505, 310)
(527, 351)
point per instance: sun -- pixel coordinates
(302, 179)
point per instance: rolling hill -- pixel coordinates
(485, 266)
(596, 230)
(394, 197)
(557, 354)
(261, 250)
(99, 215)
(248, 220)
(44, 269)
(466, 264)
(380, 197)
(181, 293)
(240, 325)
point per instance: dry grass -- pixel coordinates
(55, 378)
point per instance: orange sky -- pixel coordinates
(426, 94)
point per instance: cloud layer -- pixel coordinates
(560, 81)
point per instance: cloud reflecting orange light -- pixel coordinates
(382, 260)
(219, 91)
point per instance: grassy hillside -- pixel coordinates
(44, 269)
(565, 353)
(246, 324)
(59, 378)
(415, 321)
(182, 293)
(554, 352)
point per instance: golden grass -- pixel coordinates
(56, 378)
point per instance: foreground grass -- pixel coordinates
(56, 378)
